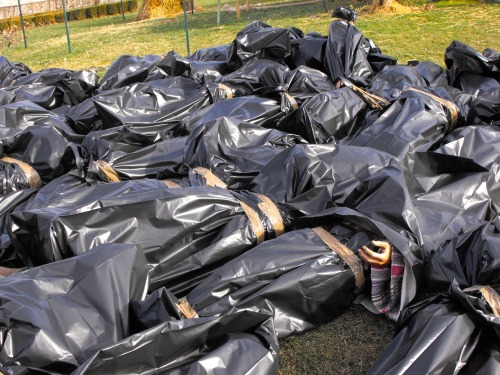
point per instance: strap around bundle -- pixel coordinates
(31, 175)
(255, 222)
(107, 171)
(271, 211)
(170, 184)
(227, 90)
(186, 309)
(292, 101)
(211, 179)
(491, 296)
(345, 253)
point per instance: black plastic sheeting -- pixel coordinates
(181, 211)
(50, 306)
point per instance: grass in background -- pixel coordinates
(421, 34)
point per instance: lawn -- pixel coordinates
(420, 34)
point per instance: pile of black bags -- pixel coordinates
(181, 215)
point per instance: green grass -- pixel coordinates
(347, 346)
(422, 35)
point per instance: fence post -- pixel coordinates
(123, 11)
(218, 12)
(22, 23)
(186, 26)
(66, 24)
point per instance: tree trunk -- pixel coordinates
(382, 3)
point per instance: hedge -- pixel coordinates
(73, 15)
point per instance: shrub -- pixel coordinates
(73, 15)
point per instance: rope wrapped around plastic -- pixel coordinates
(226, 90)
(445, 103)
(30, 174)
(492, 297)
(186, 309)
(291, 100)
(374, 101)
(345, 253)
(107, 172)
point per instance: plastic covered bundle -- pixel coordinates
(11, 71)
(48, 97)
(485, 107)
(152, 107)
(348, 54)
(446, 334)
(194, 346)
(327, 116)
(450, 195)
(215, 53)
(259, 40)
(127, 70)
(417, 121)
(223, 146)
(254, 75)
(184, 232)
(304, 278)
(8, 203)
(156, 106)
(51, 151)
(307, 50)
(470, 70)
(204, 71)
(57, 316)
(113, 143)
(254, 109)
(480, 144)
(393, 80)
(76, 85)
(469, 259)
(164, 158)
(16, 117)
(317, 177)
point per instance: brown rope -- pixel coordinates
(227, 90)
(451, 106)
(108, 171)
(186, 309)
(31, 175)
(372, 99)
(345, 253)
(292, 101)
(493, 299)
